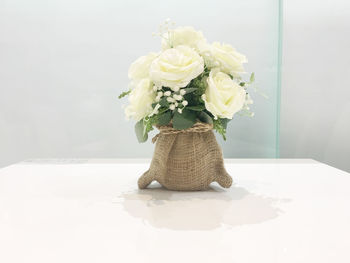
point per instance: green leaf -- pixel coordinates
(224, 123)
(163, 102)
(196, 108)
(164, 119)
(184, 120)
(218, 126)
(139, 130)
(189, 90)
(123, 94)
(242, 84)
(204, 117)
(252, 78)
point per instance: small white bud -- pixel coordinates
(176, 89)
(172, 107)
(160, 94)
(182, 92)
(176, 104)
(179, 110)
(177, 97)
(185, 103)
(170, 99)
(167, 93)
(155, 88)
(157, 99)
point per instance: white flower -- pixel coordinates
(160, 94)
(183, 36)
(169, 99)
(172, 107)
(167, 93)
(177, 97)
(227, 58)
(185, 103)
(223, 96)
(179, 110)
(140, 68)
(176, 67)
(141, 99)
(182, 92)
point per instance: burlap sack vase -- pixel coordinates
(186, 160)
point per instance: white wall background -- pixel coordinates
(61, 63)
(64, 62)
(315, 116)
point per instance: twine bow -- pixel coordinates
(167, 130)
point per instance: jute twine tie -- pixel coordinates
(167, 130)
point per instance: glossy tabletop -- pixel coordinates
(91, 211)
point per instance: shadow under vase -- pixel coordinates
(200, 210)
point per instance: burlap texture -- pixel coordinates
(186, 161)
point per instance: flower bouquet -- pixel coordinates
(186, 90)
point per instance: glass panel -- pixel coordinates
(63, 64)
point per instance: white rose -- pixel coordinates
(183, 36)
(229, 60)
(140, 68)
(176, 67)
(223, 96)
(141, 99)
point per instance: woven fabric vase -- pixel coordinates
(186, 160)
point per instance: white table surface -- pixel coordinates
(91, 211)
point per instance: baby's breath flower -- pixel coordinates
(182, 92)
(172, 107)
(185, 103)
(160, 94)
(167, 93)
(179, 110)
(169, 99)
(177, 97)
